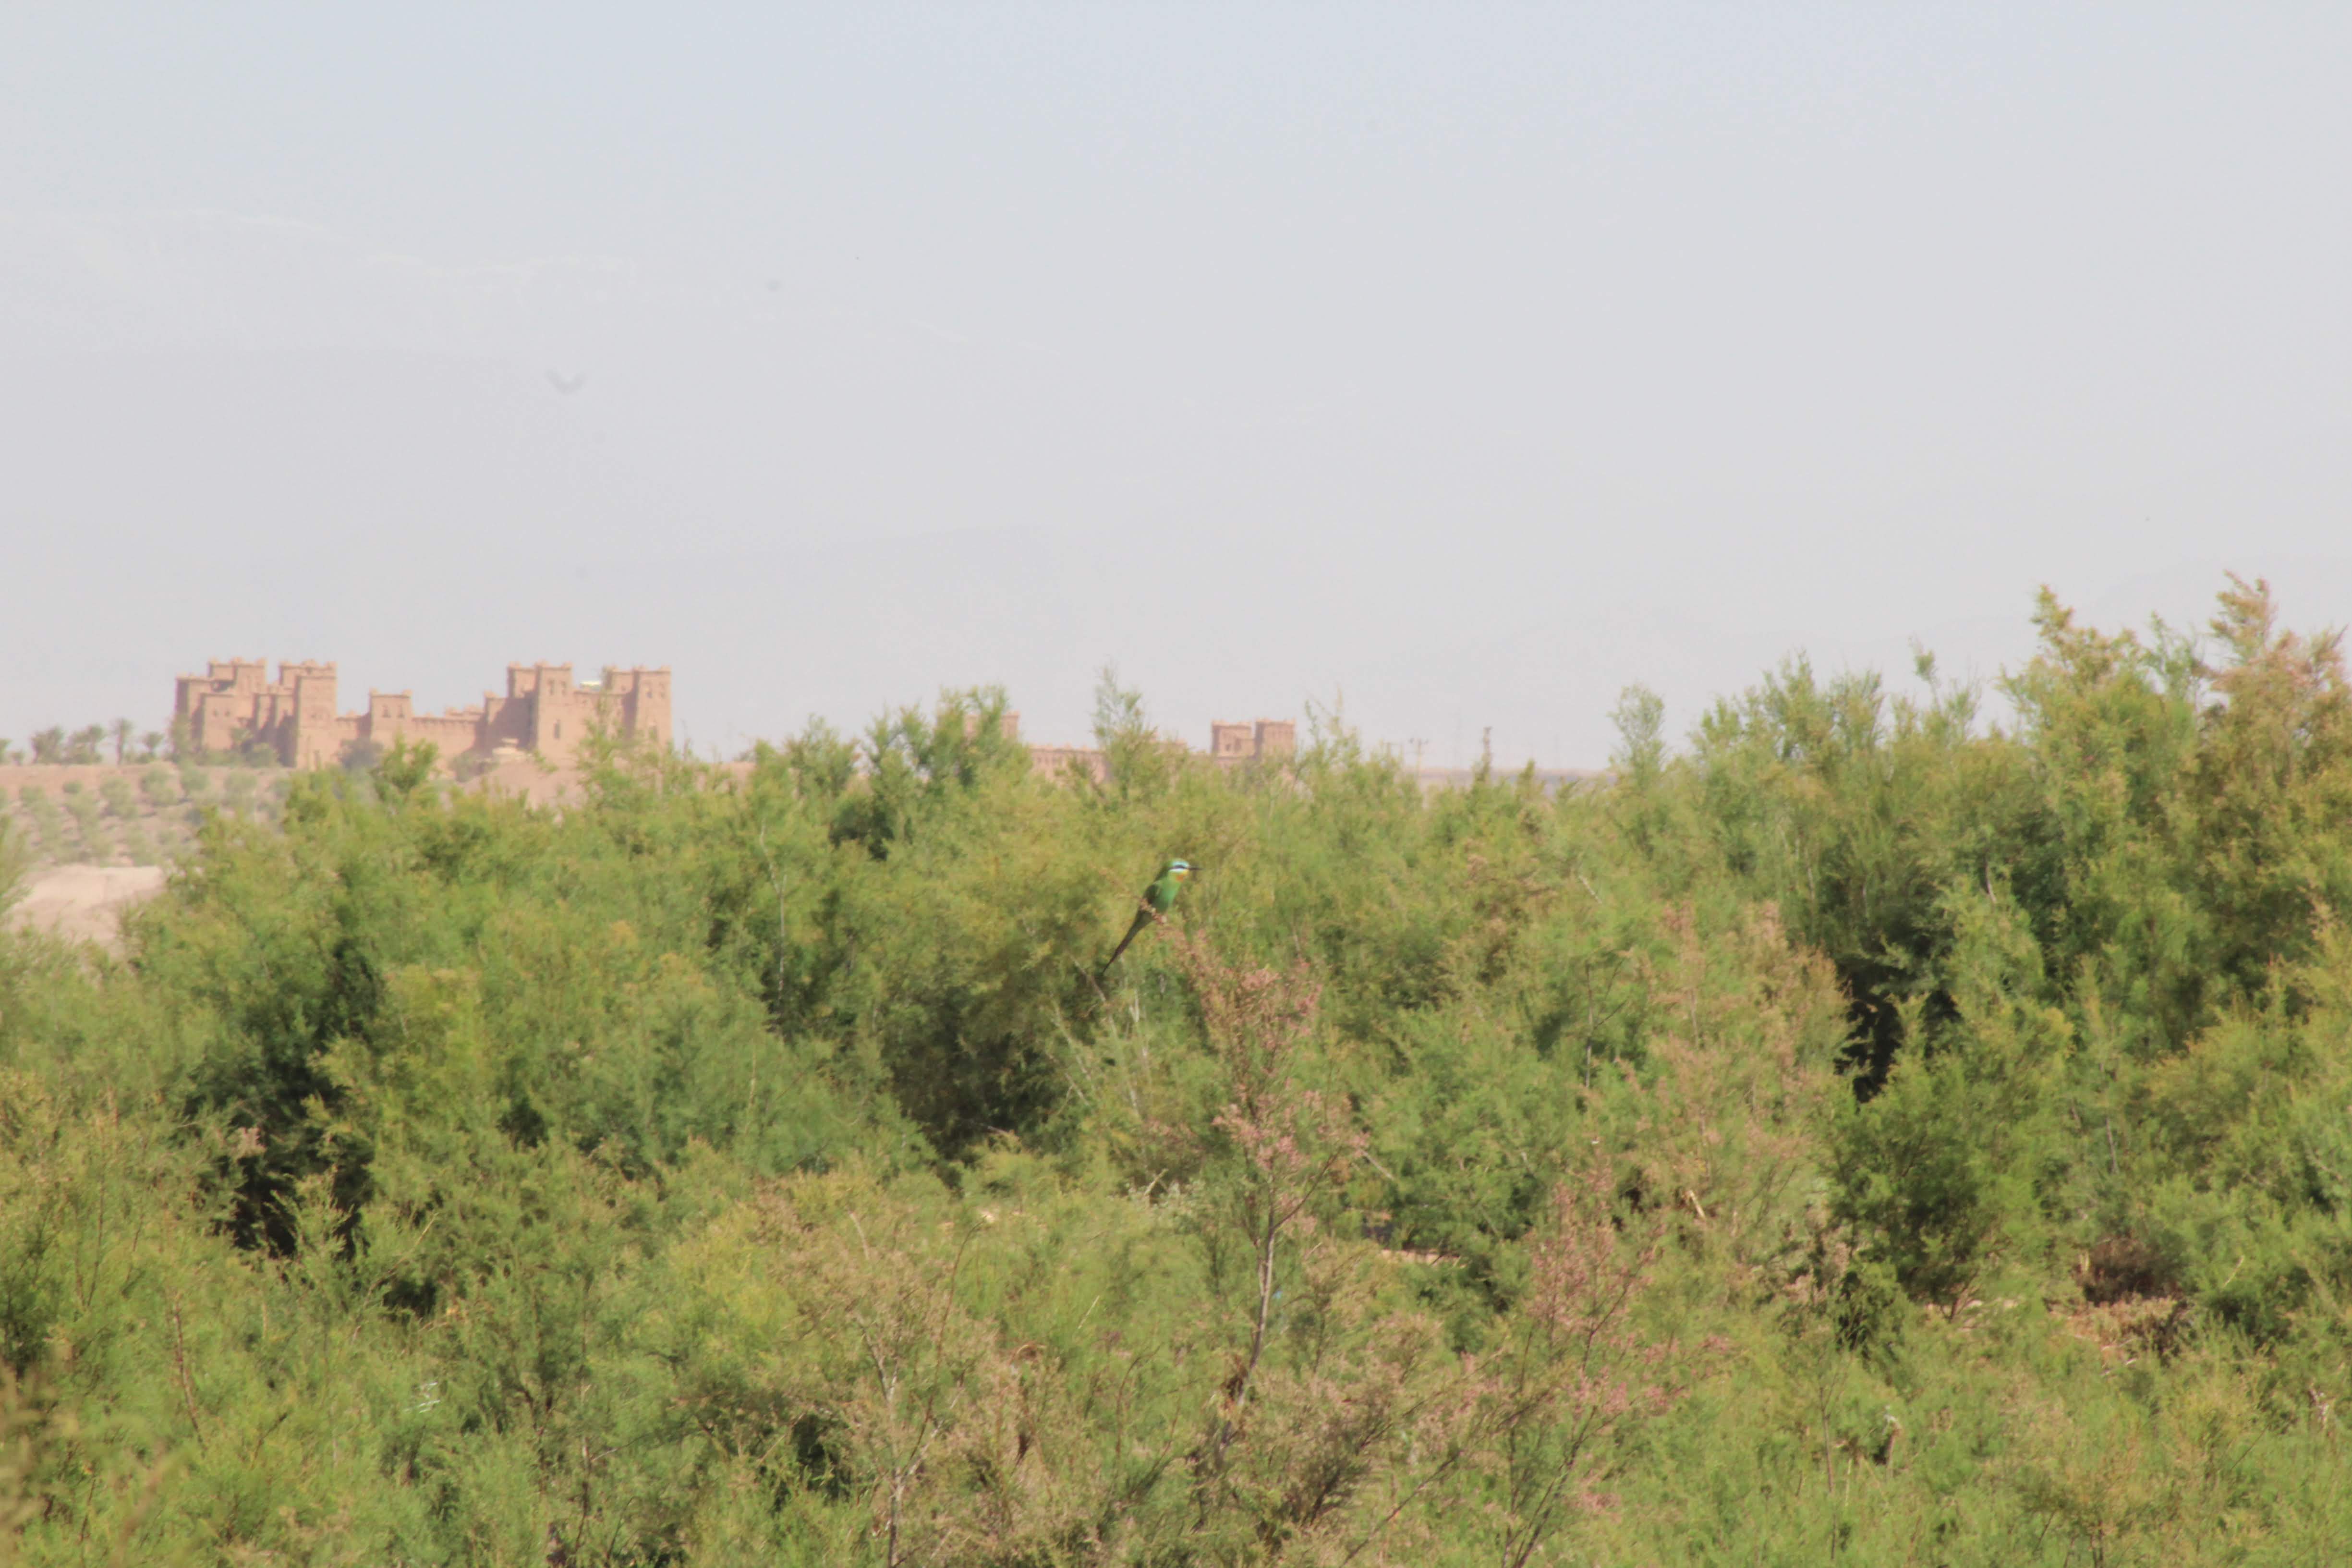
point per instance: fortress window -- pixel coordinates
(559, 729)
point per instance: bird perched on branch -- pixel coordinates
(1157, 901)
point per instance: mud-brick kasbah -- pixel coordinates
(545, 712)
(234, 703)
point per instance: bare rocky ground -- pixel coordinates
(84, 902)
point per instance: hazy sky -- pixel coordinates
(1459, 362)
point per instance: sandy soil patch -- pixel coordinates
(84, 902)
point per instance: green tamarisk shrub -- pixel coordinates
(1853, 1131)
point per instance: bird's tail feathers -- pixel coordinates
(1143, 919)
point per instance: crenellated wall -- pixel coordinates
(1230, 746)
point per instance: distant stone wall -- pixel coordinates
(1230, 746)
(544, 712)
(1055, 761)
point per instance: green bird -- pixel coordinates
(1158, 900)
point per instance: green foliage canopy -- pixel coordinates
(1871, 1132)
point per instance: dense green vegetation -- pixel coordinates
(1867, 1134)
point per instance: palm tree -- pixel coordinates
(50, 744)
(149, 744)
(83, 747)
(121, 733)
